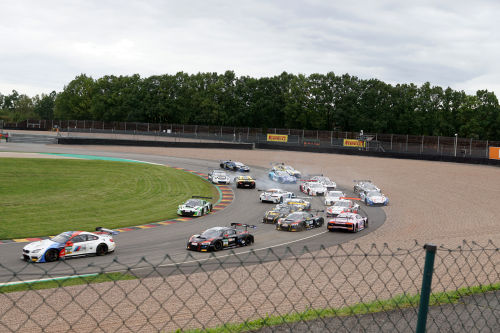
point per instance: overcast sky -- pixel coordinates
(46, 44)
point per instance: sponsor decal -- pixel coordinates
(494, 153)
(353, 143)
(277, 137)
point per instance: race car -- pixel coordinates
(364, 185)
(278, 212)
(348, 221)
(282, 177)
(332, 197)
(374, 198)
(234, 166)
(313, 188)
(218, 177)
(218, 238)
(299, 221)
(299, 202)
(275, 195)
(71, 244)
(342, 206)
(195, 206)
(325, 181)
(244, 182)
(288, 169)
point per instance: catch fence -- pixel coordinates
(411, 144)
(337, 289)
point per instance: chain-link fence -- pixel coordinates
(338, 289)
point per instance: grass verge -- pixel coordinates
(41, 197)
(66, 282)
(395, 303)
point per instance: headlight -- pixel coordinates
(36, 251)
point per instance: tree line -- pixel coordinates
(318, 101)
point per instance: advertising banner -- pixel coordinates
(494, 153)
(277, 137)
(353, 143)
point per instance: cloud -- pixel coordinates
(449, 43)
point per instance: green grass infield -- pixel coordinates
(42, 197)
(66, 282)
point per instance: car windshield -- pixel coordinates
(298, 216)
(62, 238)
(282, 210)
(316, 185)
(219, 173)
(211, 233)
(373, 194)
(193, 203)
(335, 194)
(342, 204)
(239, 164)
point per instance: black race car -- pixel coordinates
(280, 211)
(234, 166)
(244, 182)
(218, 238)
(299, 221)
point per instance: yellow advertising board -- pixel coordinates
(353, 143)
(277, 137)
(495, 153)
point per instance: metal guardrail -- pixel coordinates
(341, 288)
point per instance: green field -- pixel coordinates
(40, 197)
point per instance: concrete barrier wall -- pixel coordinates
(145, 143)
(351, 151)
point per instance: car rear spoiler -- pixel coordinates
(349, 198)
(106, 231)
(246, 226)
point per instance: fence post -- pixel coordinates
(422, 146)
(423, 309)
(487, 152)
(391, 140)
(406, 142)
(470, 148)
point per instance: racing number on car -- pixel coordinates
(225, 242)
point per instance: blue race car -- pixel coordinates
(234, 166)
(282, 177)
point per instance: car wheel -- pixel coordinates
(281, 200)
(222, 166)
(210, 207)
(51, 255)
(101, 250)
(355, 229)
(218, 246)
(249, 241)
(320, 222)
(366, 223)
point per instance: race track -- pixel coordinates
(145, 248)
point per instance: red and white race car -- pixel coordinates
(313, 188)
(342, 206)
(348, 221)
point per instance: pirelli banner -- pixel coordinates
(277, 137)
(353, 143)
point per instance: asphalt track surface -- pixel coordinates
(162, 250)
